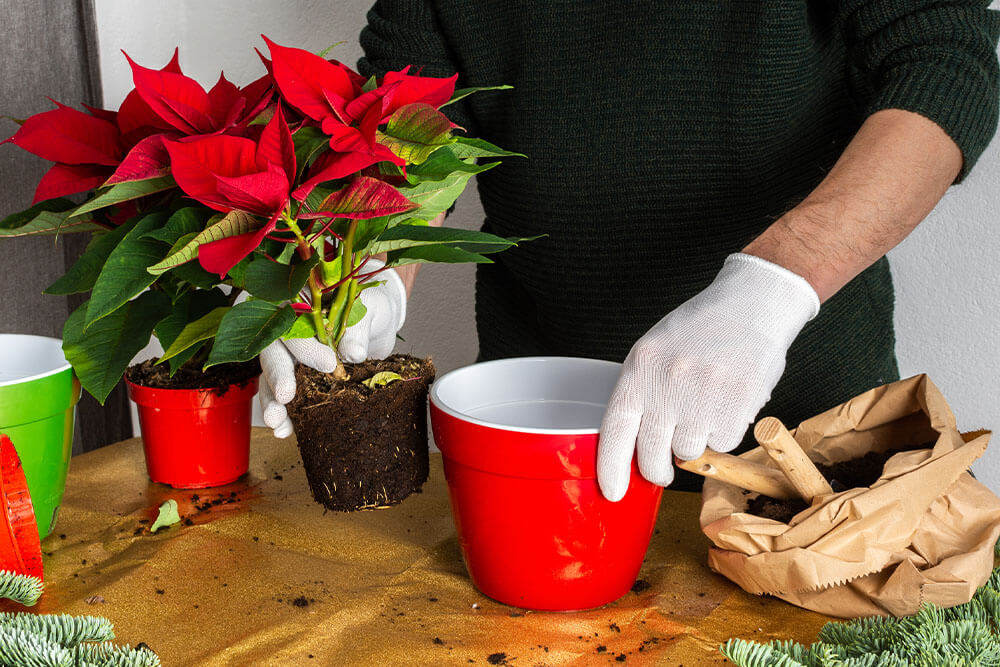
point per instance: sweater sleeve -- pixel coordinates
(935, 58)
(406, 32)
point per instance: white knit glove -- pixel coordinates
(702, 373)
(373, 337)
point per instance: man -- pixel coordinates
(707, 174)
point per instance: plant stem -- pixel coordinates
(315, 285)
(348, 290)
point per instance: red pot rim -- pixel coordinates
(188, 399)
(17, 504)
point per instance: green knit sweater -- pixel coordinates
(663, 136)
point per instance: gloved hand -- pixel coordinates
(702, 373)
(373, 337)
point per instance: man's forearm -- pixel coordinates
(888, 179)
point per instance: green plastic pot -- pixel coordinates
(38, 396)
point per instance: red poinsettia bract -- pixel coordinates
(85, 148)
(331, 95)
(230, 173)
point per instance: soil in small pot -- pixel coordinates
(220, 378)
(863, 471)
(363, 447)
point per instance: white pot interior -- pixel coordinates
(561, 395)
(24, 358)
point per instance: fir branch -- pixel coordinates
(24, 649)
(20, 588)
(67, 631)
(963, 636)
(109, 655)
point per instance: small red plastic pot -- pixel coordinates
(519, 441)
(195, 438)
(20, 550)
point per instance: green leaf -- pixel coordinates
(435, 254)
(415, 131)
(411, 236)
(433, 198)
(309, 141)
(233, 223)
(83, 274)
(324, 52)
(53, 216)
(443, 163)
(303, 328)
(381, 379)
(188, 308)
(465, 92)
(124, 274)
(167, 516)
(101, 355)
(197, 276)
(466, 147)
(247, 329)
(125, 192)
(272, 281)
(358, 311)
(189, 220)
(331, 270)
(201, 329)
(370, 85)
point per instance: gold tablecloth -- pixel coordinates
(259, 574)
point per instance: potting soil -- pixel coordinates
(363, 447)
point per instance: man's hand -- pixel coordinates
(373, 337)
(703, 372)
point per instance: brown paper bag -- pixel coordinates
(924, 532)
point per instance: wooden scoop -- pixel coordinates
(742, 473)
(797, 476)
(775, 439)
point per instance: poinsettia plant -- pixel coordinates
(284, 189)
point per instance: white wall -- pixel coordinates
(948, 324)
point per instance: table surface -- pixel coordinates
(258, 573)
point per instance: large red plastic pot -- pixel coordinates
(195, 438)
(519, 441)
(20, 549)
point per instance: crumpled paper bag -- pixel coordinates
(924, 532)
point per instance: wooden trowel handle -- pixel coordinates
(775, 439)
(739, 472)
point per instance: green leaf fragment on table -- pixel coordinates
(20, 588)
(167, 516)
(381, 379)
